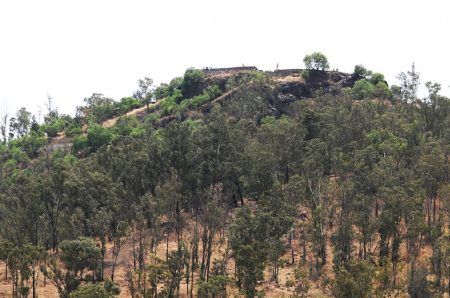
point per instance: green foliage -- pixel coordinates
(361, 71)
(90, 291)
(316, 61)
(31, 144)
(80, 254)
(208, 94)
(418, 285)
(145, 92)
(20, 124)
(127, 125)
(362, 89)
(74, 131)
(80, 143)
(353, 281)
(98, 108)
(23, 263)
(162, 91)
(214, 287)
(360, 182)
(396, 92)
(125, 105)
(300, 283)
(409, 82)
(97, 136)
(248, 251)
(376, 78)
(381, 90)
(152, 118)
(169, 105)
(191, 82)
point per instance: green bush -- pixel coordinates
(191, 81)
(381, 90)
(152, 118)
(73, 131)
(362, 89)
(90, 291)
(376, 78)
(32, 143)
(80, 144)
(125, 125)
(98, 136)
(168, 106)
(125, 105)
(162, 91)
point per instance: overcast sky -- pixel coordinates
(70, 49)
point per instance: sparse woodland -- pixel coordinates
(217, 191)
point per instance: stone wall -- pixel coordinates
(286, 72)
(214, 71)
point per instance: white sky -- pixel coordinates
(70, 49)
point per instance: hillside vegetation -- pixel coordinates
(236, 182)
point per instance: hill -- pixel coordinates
(236, 182)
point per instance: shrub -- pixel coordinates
(162, 91)
(169, 105)
(125, 125)
(191, 81)
(90, 291)
(381, 90)
(73, 131)
(376, 78)
(79, 144)
(126, 104)
(354, 280)
(362, 89)
(98, 136)
(152, 118)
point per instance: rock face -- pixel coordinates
(252, 99)
(295, 88)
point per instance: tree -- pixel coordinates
(381, 90)
(409, 82)
(191, 82)
(98, 136)
(20, 125)
(274, 219)
(300, 283)
(80, 254)
(316, 61)
(145, 91)
(361, 72)
(362, 89)
(248, 251)
(90, 291)
(98, 107)
(176, 263)
(4, 124)
(353, 280)
(24, 263)
(418, 285)
(376, 78)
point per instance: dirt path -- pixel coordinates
(136, 112)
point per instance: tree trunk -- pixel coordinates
(208, 259)
(141, 251)
(33, 282)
